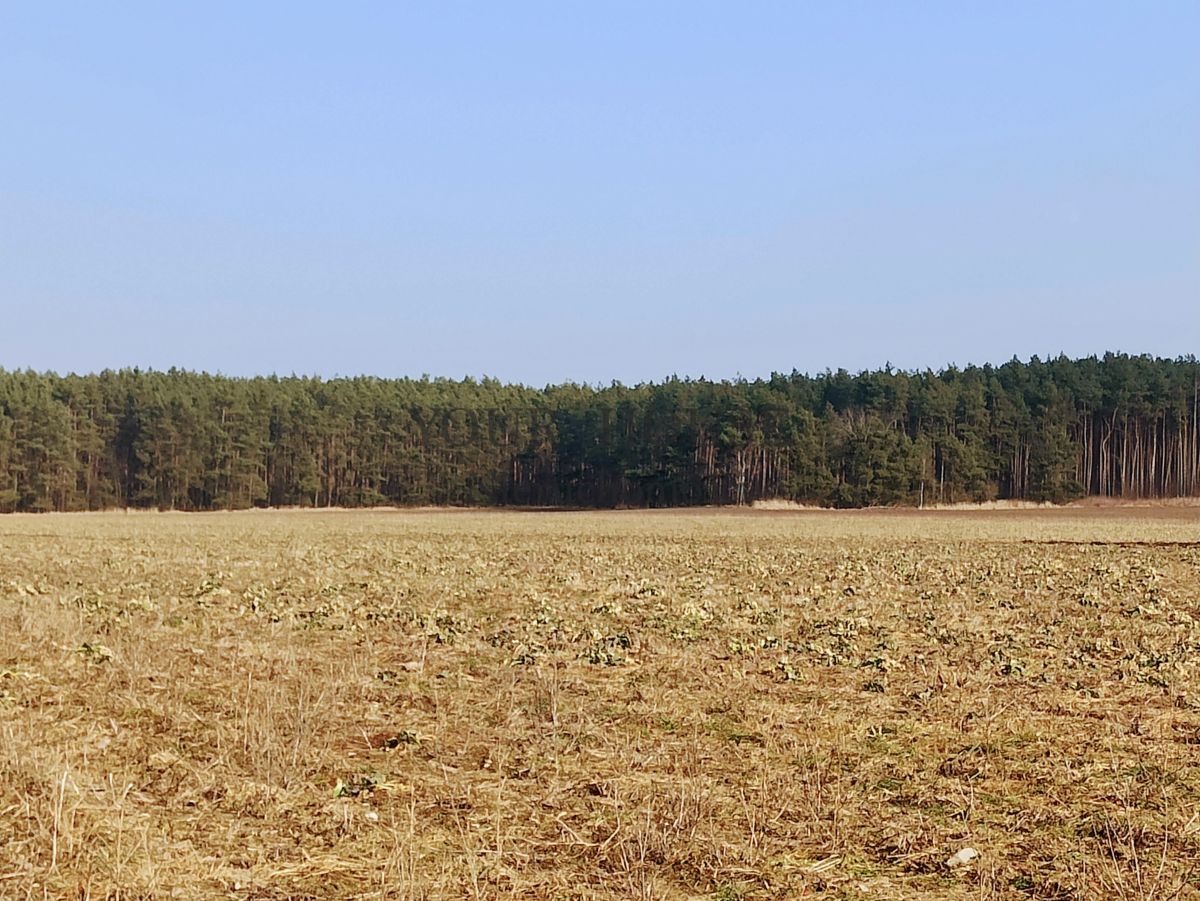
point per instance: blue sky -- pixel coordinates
(553, 191)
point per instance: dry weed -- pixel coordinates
(685, 704)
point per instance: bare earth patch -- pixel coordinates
(610, 705)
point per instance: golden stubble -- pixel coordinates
(725, 704)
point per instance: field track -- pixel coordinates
(636, 704)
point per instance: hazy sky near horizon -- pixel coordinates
(548, 191)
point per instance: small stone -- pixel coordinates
(241, 878)
(961, 858)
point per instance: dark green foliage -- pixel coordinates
(1054, 430)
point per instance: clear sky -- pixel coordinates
(595, 191)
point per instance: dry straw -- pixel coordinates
(625, 705)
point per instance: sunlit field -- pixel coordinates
(613, 705)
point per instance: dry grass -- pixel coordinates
(993, 505)
(622, 705)
(779, 503)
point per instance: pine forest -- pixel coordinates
(1055, 430)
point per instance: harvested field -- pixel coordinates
(741, 704)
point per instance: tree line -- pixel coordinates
(1116, 426)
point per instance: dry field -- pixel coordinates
(601, 705)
